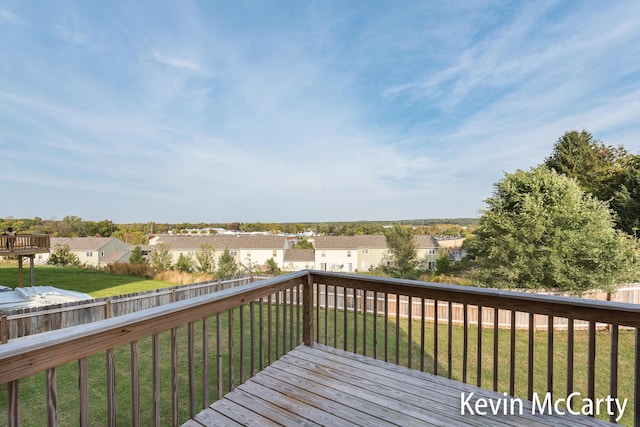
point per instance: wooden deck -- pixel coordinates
(320, 385)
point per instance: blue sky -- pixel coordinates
(284, 111)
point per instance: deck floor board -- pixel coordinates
(320, 385)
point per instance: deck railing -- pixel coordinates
(25, 243)
(168, 362)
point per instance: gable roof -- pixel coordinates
(350, 242)
(82, 243)
(299, 255)
(221, 242)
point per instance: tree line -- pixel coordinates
(138, 233)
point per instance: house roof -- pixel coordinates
(350, 242)
(367, 241)
(299, 255)
(221, 242)
(113, 257)
(82, 243)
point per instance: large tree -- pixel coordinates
(597, 167)
(541, 230)
(401, 242)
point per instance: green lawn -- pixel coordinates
(96, 283)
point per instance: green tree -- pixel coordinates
(271, 267)
(443, 266)
(540, 230)
(136, 256)
(402, 244)
(63, 257)
(205, 259)
(597, 167)
(303, 243)
(227, 266)
(184, 263)
(161, 257)
(626, 201)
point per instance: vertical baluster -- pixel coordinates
(613, 369)
(530, 356)
(174, 376)
(364, 323)
(346, 305)
(231, 377)
(636, 383)
(479, 356)
(422, 333)
(269, 329)
(155, 354)
(317, 299)
(284, 322)
(570, 345)
(191, 367)
(326, 315)
(465, 341)
(512, 356)
(252, 337)
(83, 379)
(591, 364)
(261, 333)
(205, 362)
(375, 324)
(13, 403)
(135, 384)
(450, 340)
(335, 316)
(52, 397)
(219, 355)
(550, 354)
(397, 329)
(496, 319)
(242, 346)
(355, 320)
(435, 336)
(409, 331)
(277, 343)
(386, 326)
(111, 388)
(298, 315)
(292, 306)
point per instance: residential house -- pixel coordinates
(248, 250)
(365, 252)
(91, 251)
(299, 259)
(349, 253)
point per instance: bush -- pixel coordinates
(140, 270)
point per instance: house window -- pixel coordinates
(233, 253)
(323, 253)
(89, 254)
(101, 253)
(248, 254)
(365, 250)
(274, 253)
(349, 254)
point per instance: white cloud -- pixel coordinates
(175, 61)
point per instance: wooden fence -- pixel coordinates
(27, 321)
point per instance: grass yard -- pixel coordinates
(96, 283)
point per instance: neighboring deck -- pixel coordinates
(320, 385)
(24, 244)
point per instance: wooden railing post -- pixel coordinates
(307, 311)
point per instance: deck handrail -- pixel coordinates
(343, 310)
(30, 243)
